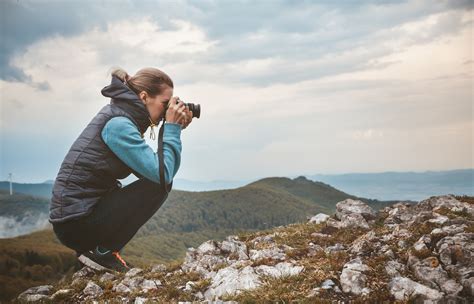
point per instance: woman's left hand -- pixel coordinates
(186, 120)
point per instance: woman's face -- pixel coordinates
(156, 106)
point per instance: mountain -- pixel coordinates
(190, 185)
(402, 185)
(383, 186)
(43, 190)
(409, 253)
(265, 203)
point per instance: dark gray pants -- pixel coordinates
(115, 219)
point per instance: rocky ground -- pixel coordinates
(403, 253)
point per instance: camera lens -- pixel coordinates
(195, 108)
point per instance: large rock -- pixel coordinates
(353, 279)
(456, 253)
(449, 202)
(319, 218)
(231, 280)
(353, 213)
(350, 206)
(404, 288)
(430, 272)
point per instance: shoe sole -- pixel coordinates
(88, 262)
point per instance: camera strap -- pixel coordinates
(166, 189)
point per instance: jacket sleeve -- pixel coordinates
(123, 138)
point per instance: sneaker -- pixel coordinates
(111, 260)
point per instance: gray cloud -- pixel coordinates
(294, 30)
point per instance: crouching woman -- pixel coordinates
(90, 211)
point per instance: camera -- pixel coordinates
(195, 108)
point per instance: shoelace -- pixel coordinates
(117, 255)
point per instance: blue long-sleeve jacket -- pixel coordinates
(124, 139)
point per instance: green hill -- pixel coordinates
(17, 204)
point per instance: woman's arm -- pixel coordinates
(123, 138)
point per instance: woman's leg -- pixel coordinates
(75, 235)
(120, 213)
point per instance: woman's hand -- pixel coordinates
(186, 120)
(176, 111)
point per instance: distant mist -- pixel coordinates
(11, 226)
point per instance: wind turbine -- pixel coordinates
(10, 178)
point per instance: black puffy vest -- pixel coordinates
(90, 169)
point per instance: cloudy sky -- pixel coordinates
(285, 87)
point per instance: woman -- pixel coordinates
(90, 211)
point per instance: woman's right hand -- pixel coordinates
(175, 112)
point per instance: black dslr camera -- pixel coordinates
(195, 108)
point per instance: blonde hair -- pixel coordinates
(151, 80)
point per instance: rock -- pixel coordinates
(398, 214)
(107, 277)
(120, 287)
(148, 285)
(469, 286)
(319, 218)
(140, 300)
(365, 244)
(313, 292)
(350, 206)
(209, 247)
(403, 289)
(92, 290)
(280, 269)
(439, 219)
(328, 284)
(335, 248)
(236, 247)
(320, 235)
(313, 249)
(353, 220)
(274, 252)
(133, 282)
(394, 268)
(84, 272)
(158, 268)
(189, 286)
(430, 272)
(457, 254)
(36, 293)
(353, 279)
(263, 239)
(448, 230)
(435, 203)
(231, 280)
(133, 272)
(421, 244)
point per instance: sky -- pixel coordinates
(285, 87)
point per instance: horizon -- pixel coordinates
(263, 177)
